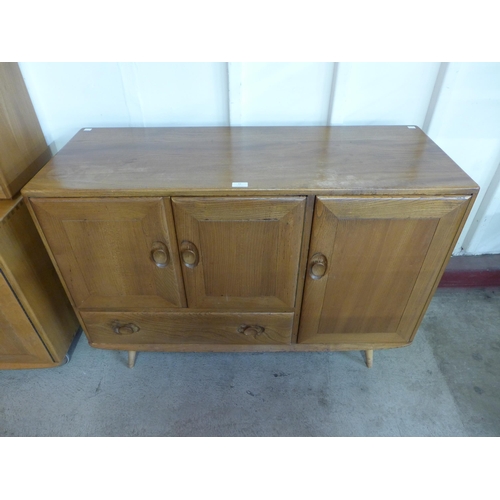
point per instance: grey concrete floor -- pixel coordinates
(447, 383)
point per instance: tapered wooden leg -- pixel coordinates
(369, 358)
(131, 358)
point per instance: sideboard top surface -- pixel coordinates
(284, 160)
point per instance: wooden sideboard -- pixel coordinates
(251, 238)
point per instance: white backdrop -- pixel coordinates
(456, 104)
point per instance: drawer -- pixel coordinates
(128, 328)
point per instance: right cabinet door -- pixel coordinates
(373, 263)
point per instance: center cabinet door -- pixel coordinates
(114, 252)
(240, 253)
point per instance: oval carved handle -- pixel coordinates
(128, 329)
(254, 330)
(317, 266)
(189, 254)
(159, 254)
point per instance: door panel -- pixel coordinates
(382, 259)
(252, 280)
(247, 251)
(19, 341)
(369, 291)
(114, 253)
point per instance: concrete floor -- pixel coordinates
(447, 383)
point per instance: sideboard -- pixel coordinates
(250, 238)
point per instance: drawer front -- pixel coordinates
(126, 328)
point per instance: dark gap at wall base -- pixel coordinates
(472, 271)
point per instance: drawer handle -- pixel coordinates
(159, 254)
(127, 329)
(317, 266)
(254, 330)
(189, 254)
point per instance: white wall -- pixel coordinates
(383, 93)
(285, 94)
(69, 96)
(457, 104)
(466, 124)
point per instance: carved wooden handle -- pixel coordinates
(317, 266)
(254, 330)
(159, 254)
(127, 329)
(189, 254)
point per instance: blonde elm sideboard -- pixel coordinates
(251, 238)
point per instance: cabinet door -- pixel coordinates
(240, 253)
(114, 253)
(19, 342)
(373, 263)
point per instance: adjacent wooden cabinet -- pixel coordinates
(19, 341)
(37, 323)
(258, 238)
(23, 150)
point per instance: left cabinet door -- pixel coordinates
(114, 252)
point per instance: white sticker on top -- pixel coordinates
(240, 184)
(411, 126)
(87, 129)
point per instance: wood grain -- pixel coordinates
(152, 328)
(249, 251)
(113, 238)
(23, 150)
(379, 160)
(7, 206)
(19, 341)
(31, 275)
(383, 260)
(442, 265)
(356, 346)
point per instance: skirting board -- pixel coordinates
(472, 271)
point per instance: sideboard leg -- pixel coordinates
(369, 358)
(131, 358)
